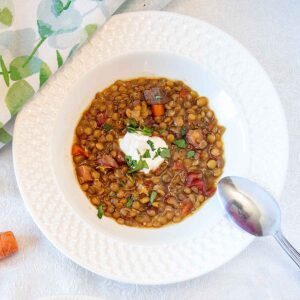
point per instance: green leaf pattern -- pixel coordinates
(45, 73)
(4, 71)
(19, 71)
(59, 59)
(90, 29)
(5, 137)
(44, 29)
(29, 54)
(17, 95)
(6, 16)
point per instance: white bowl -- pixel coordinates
(146, 64)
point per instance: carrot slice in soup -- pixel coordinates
(158, 110)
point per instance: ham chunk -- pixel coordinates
(84, 174)
(108, 162)
(195, 138)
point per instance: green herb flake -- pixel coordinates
(147, 131)
(145, 165)
(183, 132)
(122, 183)
(130, 162)
(190, 154)
(141, 164)
(128, 159)
(180, 143)
(100, 211)
(106, 127)
(151, 144)
(161, 131)
(129, 201)
(133, 123)
(147, 154)
(132, 126)
(153, 196)
(164, 152)
(131, 129)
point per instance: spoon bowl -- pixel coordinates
(249, 205)
(254, 210)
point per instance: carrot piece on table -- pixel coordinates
(158, 109)
(8, 244)
(77, 150)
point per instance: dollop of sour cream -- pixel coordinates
(135, 145)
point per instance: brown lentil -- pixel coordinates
(178, 182)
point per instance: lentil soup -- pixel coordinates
(148, 152)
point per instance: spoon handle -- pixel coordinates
(287, 247)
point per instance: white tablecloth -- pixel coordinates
(270, 29)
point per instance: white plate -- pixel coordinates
(149, 44)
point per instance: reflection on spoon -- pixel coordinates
(254, 210)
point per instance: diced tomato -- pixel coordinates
(193, 179)
(210, 192)
(191, 176)
(199, 184)
(159, 170)
(148, 183)
(187, 206)
(184, 93)
(178, 165)
(211, 126)
(101, 119)
(77, 150)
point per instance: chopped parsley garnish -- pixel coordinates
(141, 164)
(180, 143)
(153, 196)
(190, 154)
(162, 131)
(147, 154)
(147, 131)
(132, 126)
(133, 123)
(129, 201)
(158, 97)
(183, 132)
(106, 127)
(131, 129)
(100, 211)
(130, 162)
(163, 152)
(151, 144)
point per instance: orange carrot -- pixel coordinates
(8, 244)
(158, 109)
(77, 150)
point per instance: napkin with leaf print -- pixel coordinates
(38, 36)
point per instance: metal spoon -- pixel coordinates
(254, 210)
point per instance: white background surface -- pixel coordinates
(270, 29)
